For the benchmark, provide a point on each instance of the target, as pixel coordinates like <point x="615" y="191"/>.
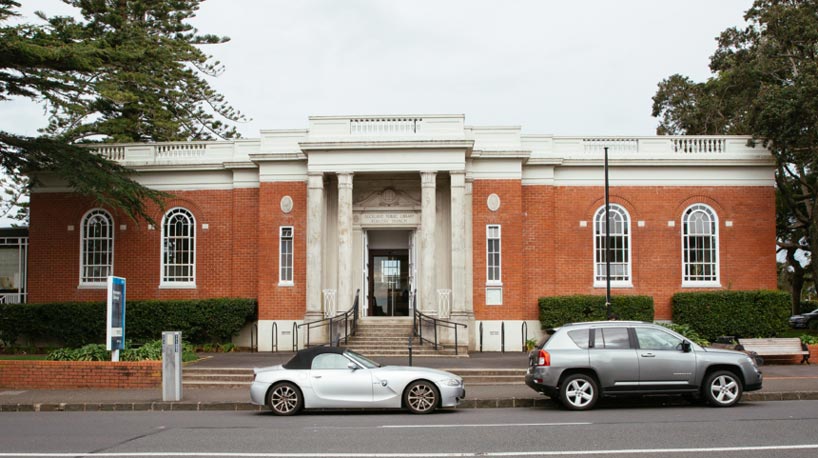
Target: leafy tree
<point x="128" y="70"/>
<point x="764" y="84"/>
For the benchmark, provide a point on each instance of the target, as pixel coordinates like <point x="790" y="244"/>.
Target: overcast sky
<point x="584" y="67"/>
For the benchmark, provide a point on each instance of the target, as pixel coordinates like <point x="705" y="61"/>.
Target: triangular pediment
<point x="387" y="198"/>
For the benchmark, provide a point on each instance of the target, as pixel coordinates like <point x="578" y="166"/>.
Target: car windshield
<point x="362" y="360"/>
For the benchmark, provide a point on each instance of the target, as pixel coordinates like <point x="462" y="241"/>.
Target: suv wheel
<point x="579" y="392"/>
<point x="722" y="389"/>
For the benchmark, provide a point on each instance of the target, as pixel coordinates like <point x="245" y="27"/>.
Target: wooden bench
<point x="775" y="347"/>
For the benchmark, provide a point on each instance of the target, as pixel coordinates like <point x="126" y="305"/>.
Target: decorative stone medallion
<point x="389" y="196"/>
<point x="493" y="202"/>
<point x="286" y="204"/>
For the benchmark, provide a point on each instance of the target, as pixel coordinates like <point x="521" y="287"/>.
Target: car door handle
<point x="648" y="355"/>
<point x="316" y="376"/>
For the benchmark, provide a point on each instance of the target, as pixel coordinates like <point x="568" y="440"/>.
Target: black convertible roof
<point x="303" y="358"/>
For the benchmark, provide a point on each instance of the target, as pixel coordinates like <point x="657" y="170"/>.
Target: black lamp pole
<point x="607" y="242"/>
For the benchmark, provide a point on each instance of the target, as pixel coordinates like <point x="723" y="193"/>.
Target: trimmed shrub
<point x="151" y="351"/>
<point x="79" y="323"/>
<point x="558" y="310"/>
<point x="733" y="313"/>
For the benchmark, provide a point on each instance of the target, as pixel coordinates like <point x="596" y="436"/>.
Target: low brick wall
<point x="79" y="374"/>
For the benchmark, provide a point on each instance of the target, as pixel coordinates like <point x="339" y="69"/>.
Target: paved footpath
<point x="781" y="382"/>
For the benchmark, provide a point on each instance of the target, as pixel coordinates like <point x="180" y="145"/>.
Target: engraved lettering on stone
<point x="390" y="218"/>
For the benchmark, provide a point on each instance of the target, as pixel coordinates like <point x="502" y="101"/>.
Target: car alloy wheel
<point x="285" y="399"/>
<point x="420" y="397"/>
<point x="723" y="389"/>
<point x="579" y="392"/>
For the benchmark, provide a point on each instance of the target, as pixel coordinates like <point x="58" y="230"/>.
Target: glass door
<point x="388" y="283"/>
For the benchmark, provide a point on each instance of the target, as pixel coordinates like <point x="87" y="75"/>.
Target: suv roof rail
<point x="611" y="322"/>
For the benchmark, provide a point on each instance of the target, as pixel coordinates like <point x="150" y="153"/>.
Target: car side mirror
<point x="686" y="347"/>
<point x="352" y="366"/>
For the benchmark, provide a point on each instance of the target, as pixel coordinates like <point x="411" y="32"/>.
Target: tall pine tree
<point x="127" y="70"/>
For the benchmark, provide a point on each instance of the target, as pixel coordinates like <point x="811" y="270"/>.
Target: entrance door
<point x="388" y="283"/>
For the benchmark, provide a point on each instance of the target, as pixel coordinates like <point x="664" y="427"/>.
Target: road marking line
<point x="431" y="454"/>
<point x="489" y="425"/>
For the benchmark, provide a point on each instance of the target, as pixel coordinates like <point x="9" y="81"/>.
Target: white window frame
<point x="165" y="282"/>
<point x="100" y="282"/>
<point x="714" y="223"/>
<point x="282" y="281"/>
<point x="499" y="280"/>
<point x="599" y="262"/>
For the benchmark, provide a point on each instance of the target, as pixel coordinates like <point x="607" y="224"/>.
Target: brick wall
<point x="553" y="215"/>
<point x="545" y="251"/>
<point x="79" y="374"/>
<point x="225" y="251"/>
<point x="236" y="256"/>
<point x="510" y="218"/>
<point x="276" y="301"/>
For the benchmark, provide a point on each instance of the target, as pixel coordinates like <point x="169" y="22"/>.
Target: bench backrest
<point x="783" y="344"/>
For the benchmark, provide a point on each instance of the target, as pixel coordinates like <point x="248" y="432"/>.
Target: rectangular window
<point x="493" y="265"/>
<point x="285" y="255"/>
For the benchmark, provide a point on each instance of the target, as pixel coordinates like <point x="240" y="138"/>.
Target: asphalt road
<point x="621" y="428"/>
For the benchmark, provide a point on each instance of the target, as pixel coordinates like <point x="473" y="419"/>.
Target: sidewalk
<point x="781" y="382"/>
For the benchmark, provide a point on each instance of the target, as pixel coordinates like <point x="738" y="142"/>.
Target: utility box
<point x="171" y="366"/>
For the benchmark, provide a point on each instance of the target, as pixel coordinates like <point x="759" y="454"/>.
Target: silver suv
<point x="580" y="362"/>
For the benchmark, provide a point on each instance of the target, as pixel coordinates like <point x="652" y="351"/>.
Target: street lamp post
<point x="607" y="242"/>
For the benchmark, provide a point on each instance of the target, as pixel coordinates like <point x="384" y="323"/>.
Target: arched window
<point x="96" y="247"/>
<point x="700" y="246"/>
<point x="620" y="250"/>
<point x="178" y="248"/>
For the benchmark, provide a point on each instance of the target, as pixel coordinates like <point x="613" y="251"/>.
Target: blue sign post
<point x="115" y="340"/>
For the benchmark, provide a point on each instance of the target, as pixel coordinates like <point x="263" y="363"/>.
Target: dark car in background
<point x="581" y="362"/>
<point x="804" y="320"/>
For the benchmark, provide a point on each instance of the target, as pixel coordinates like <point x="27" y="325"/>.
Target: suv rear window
<point x="611" y="338"/>
<point x="580" y="337"/>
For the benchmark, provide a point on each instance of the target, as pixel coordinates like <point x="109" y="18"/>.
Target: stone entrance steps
<point x="243" y="377"/>
<point x="390" y="337"/>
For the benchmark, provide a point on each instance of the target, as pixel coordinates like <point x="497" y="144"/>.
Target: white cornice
<point x="386" y="144"/>
<point x="277" y="157"/>
<point x="501" y="154"/>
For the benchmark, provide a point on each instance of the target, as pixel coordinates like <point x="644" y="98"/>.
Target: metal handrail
<point x="348" y="318"/>
<point x="417" y="326"/>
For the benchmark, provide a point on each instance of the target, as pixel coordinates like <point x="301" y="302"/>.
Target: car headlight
<point x="752" y="361"/>
<point x="452" y="382"/>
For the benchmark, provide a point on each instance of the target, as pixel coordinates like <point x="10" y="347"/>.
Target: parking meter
<point x="171" y="366"/>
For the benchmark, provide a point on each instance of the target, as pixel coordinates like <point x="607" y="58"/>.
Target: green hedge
<point x="79" y="323"/>
<point x="558" y="310"/>
<point x="733" y="313"/>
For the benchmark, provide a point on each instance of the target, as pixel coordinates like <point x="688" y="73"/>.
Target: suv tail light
<point x="543" y="358"/>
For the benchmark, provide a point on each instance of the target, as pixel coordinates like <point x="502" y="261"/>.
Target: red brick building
<point x="477" y="222"/>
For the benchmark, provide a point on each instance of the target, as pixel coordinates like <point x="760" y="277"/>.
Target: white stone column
<point x="344" y="301"/>
<point x="469" y="249"/>
<point x="428" y="298"/>
<point x="315" y="213"/>
<point x="458" y="215"/>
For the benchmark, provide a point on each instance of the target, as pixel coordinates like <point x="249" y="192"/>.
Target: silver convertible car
<point x="332" y="377"/>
